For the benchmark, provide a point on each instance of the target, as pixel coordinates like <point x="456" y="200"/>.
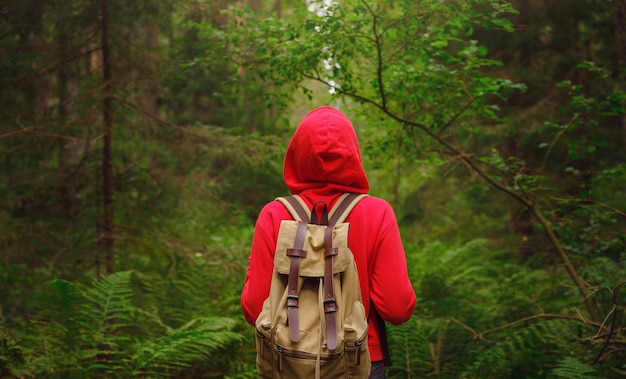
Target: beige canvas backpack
<point x="313" y="324"/>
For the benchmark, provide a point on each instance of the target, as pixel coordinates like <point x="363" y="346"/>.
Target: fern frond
<point x="210" y="324"/>
<point x="111" y="301"/>
<point x="110" y="310"/>
<point x="180" y="349"/>
<point x="55" y="346"/>
<point x="177" y="295"/>
<point x="62" y="311"/>
<point x="529" y="337"/>
<point x="572" y="368"/>
<point x="410" y="349"/>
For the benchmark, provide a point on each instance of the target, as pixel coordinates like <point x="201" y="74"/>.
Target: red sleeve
<point x="256" y="286"/>
<point x="390" y="288"/>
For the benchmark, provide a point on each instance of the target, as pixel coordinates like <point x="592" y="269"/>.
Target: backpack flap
<point x="313" y="264"/>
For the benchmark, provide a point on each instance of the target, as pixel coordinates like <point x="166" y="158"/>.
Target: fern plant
<point x="181" y="348"/>
<point x="203" y="283"/>
<point x="98" y="332"/>
<point x="572" y="368"/>
<point x="411" y="354"/>
<point x="468" y="289"/>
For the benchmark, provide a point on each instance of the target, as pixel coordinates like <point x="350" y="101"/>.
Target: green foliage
<point x="411" y="352"/>
<point x="529" y="100"/>
<point x="411" y="58"/>
<point x="571" y="368"/>
<point x="481" y="313"/>
<point x="98" y="330"/>
<point x="425" y="84"/>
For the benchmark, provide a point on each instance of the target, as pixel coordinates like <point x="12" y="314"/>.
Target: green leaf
<point x="439" y="44"/>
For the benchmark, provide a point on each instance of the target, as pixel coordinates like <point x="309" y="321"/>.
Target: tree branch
<point x="33" y="130"/>
<point x="47" y="70"/>
<point x="379" y="55"/>
<point x="613" y="322"/>
<point x="481" y="335"/>
<point x="589" y="201"/>
<point x="556" y="138"/>
<point x="456" y="116"/>
<point x="472" y="162"/>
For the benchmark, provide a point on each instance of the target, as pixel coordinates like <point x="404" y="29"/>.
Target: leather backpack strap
<point x="298" y="211"/>
<point x="382" y="334"/>
<point x="296" y="254"/>
<point x="330" y="304"/>
<point x="319" y="219"/>
<point x="344" y="206"/>
<point x="341" y="210"/>
<point x="296" y="207"/>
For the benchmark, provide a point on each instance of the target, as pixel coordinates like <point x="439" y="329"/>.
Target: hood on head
<point x="324" y="155"/>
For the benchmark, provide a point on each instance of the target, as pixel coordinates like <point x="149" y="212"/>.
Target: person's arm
<point x="391" y="290"/>
<point x="261" y="265"/>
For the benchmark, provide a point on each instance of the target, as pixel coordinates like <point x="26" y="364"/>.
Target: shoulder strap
<point x="382" y="334"/>
<point x="296" y="207"/>
<point x="344" y="206"/>
<point x="299" y="210"/>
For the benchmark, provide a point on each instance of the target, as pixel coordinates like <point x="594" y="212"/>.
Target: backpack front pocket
<point x="357" y="358"/>
<point x="265" y="364"/>
<point x="297" y="364"/>
<point x="357" y="355"/>
<point x="264" y="345"/>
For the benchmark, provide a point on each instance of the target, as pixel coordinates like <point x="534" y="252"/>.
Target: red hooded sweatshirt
<point x="322" y="162"/>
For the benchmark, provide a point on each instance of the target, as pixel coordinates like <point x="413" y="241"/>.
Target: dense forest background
<point x="139" y="140"/>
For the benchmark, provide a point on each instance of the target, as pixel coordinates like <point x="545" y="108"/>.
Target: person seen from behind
<point x="322" y="162"/>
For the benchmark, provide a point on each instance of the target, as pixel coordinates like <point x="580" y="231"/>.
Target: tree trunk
<point x="149" y="87"/>
<point x="69" y="148"/>
<point x="255" y="5"/>
<point x="107" y="128"/>
<point x="620" y="42"/>
<point x="279" y="9"/>
<point x="525" y="13"/>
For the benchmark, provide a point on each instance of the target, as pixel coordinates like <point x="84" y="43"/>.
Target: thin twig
<point x="456" y="116"/>
<point x="556" y="138"/>
<point x="32" y="130"/>
<point x="470" y="329"/>
<point x="589" y="201"/>
<point x="613" y="322"/>
<point x="481" y="335"/>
